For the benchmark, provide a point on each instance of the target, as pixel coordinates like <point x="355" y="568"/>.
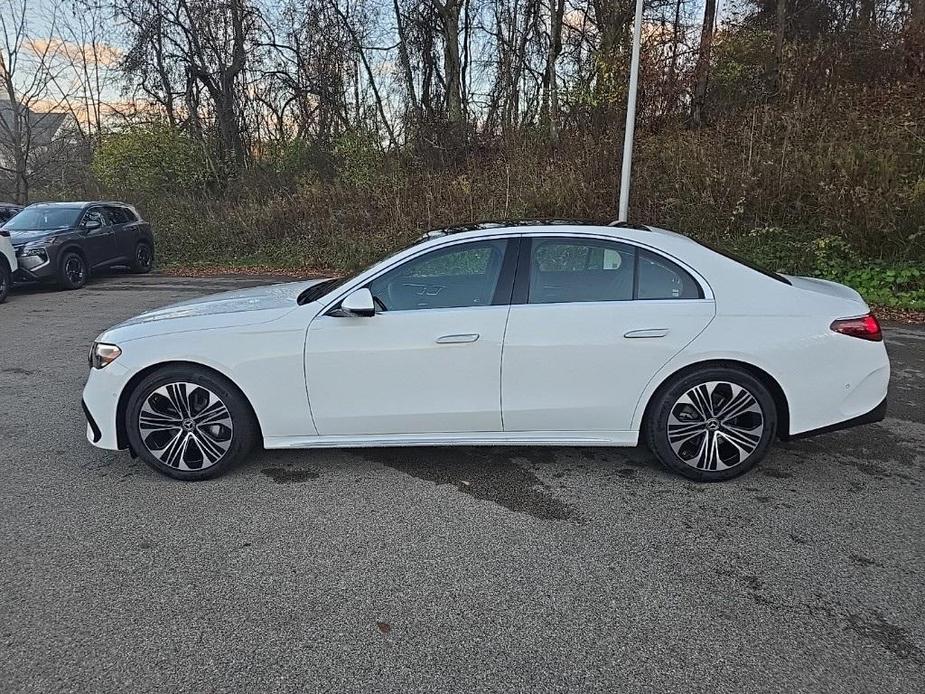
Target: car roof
<point x="81" y="203"/>
<point x="500" y="224"/>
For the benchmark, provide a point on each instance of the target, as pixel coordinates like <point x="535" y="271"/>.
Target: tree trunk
<point x="549" y="111"/>
<point x="406" y="63"/>
<point x="673" y="65"/>
<point x="702" y="69"/>
<point x="779" y="34"/>
<point x="452" y="61"/>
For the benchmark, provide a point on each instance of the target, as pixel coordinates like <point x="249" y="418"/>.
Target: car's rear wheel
<point x="189" y="423"/>
<point x="712" y="424"/>
<point x="144" y="258"/>
<point x="72" y="271"/>
<point x="6" y="281"/>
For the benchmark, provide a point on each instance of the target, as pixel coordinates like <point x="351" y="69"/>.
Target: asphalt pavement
<point x="441" y="569"/>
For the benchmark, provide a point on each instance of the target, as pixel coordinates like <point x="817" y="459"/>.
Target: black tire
<point x="6" y="281"/>
<point x="144" y="258"/>
<point x="193" y="462"/>
<point x="72" y="271"/>
<point x="690" y="452"/>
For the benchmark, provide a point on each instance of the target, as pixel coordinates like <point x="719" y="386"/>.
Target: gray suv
<point x="64" y="242"/>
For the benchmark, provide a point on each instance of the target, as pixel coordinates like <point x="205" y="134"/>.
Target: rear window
<point x="747" y="263"/>
<point x="659" y="278"/>
<point x="116" y="215"/>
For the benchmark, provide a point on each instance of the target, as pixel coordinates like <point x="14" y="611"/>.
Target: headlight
<point x="102" y="355"/>
<point x="32" y="258"/>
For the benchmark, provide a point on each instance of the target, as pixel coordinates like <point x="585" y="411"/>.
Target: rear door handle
<point x="457" y="339"/>
<point x="648" y="332"/>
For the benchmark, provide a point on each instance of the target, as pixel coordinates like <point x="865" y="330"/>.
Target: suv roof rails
<point x="629" y="225"/>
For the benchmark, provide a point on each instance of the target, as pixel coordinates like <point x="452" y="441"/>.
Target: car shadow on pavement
<point x="517" y="478"/>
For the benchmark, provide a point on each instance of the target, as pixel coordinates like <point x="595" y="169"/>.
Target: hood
<point x="20" y="237"/>
<point x="237" y="309"/>
<point x="275" y="297"/>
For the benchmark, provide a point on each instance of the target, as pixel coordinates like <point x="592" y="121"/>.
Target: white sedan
<point x="511" y="334"/>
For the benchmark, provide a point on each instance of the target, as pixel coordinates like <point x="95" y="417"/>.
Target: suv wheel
<point x="144" y="259"/>
<point x="6" y="281"/>
<point x="73" y="272"/>
<point x="713" y="424"/>
<point x="189" y="423"/>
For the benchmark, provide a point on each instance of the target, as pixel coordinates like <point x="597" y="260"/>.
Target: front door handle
<point x="457" y="339"/>
<point x="648" y="332"/>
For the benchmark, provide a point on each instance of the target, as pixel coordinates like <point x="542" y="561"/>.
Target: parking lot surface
<point x="432" y="570"/>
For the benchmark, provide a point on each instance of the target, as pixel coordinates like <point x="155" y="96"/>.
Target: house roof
<point x="43" y="126"/>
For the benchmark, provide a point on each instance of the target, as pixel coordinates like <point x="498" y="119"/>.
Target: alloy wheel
<point x="715" y="425"/>
<point x="74" y="270"/>
<point x="143" y="257"/>
<point x="185" y="426"/>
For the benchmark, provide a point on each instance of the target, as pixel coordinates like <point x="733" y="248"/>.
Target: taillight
<point x="866" y="327"/>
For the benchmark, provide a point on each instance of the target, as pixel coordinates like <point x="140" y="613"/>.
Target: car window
<point x="454" y="277"/>
<point x="129" y="213"/>
<point x="570" y="270"/>
<point x="94" y="215"/>
<point x="116" y="215"/>
<point x="660" y="278"/>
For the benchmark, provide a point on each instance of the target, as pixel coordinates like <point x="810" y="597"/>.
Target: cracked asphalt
<point x="444" y="570"/>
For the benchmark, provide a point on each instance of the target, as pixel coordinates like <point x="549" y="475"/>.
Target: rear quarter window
<point x="659" y="278"/>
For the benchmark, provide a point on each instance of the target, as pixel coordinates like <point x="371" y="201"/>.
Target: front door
<point x="592" y="322"/>
<point x="99" y="240"/>
<point x="429" y="361"/>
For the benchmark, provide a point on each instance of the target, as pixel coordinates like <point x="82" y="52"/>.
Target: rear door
<point x="429" y="361"/>
<point x="591" y="321"/>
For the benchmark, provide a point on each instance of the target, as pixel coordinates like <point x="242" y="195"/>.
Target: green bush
<point x="151" y="158"/>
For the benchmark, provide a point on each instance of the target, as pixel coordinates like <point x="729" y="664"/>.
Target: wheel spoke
<point x="741" y="402"/>
<point x="213" y="413"/>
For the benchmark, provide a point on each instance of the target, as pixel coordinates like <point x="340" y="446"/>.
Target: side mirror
<point x="359" y="303"/>
<point x="92" y="224"/>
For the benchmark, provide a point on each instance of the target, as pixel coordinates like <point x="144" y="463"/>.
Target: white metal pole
<point x="630" y="118"/>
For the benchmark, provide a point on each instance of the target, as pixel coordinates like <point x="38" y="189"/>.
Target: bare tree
<point x="449" y="12"/>
<point x="702" y="70"/>
<point x="550" y="108"/>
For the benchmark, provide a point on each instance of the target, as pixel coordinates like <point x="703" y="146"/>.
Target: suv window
<point x="458" y="276"/>
<point x="94" y="214"/>
<point x="129" y="213"/>
<point x="568" y="270"/>
<point x="659" y="278"/>
<point x="116" y="215"/>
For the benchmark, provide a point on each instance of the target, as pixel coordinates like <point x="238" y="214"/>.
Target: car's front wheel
<point x="713" y="424"/>
<point x="72" y="271"/>
<point x="189" y="423"/>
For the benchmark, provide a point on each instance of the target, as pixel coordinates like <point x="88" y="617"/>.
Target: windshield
<point x="43" y="218"/>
